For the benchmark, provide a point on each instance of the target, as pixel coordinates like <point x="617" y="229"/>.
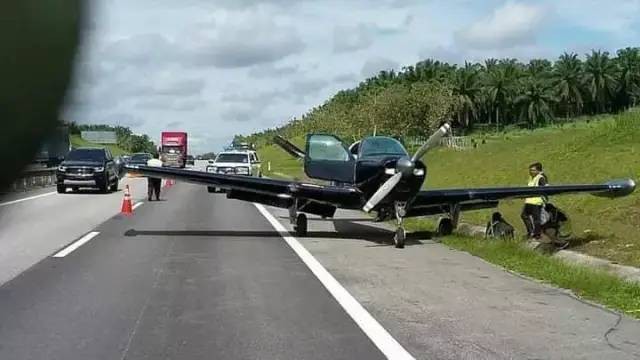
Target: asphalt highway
<point x="198" y="276"/>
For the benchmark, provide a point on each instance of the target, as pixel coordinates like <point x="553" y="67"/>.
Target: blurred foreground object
<point x="38" y="44"/>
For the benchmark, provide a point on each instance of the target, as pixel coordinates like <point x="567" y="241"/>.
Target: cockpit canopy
<point x="377" y="146"/>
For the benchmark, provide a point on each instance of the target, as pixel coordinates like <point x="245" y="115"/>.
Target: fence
<point x="454" y="142"/>
<point x="34" y="178"/>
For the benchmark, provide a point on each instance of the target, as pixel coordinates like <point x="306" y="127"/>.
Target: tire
<point x="61" y="189"/>
<point x="399" y="237"/>
<point x="211" y="189"/>
<point x="301" y="225"/>
<point x="445" y="227"/>
<point x="104" y="188"/>
<point x="114" y="186"/>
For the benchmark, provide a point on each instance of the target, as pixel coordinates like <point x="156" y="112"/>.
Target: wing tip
<point x="619" y="188"/>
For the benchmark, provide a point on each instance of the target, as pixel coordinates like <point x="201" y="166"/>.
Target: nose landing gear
<point x="401" y="234"/>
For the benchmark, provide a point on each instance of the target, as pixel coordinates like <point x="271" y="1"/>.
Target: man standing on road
<point x="532" y="211"/>
<point x="154" y="184"/>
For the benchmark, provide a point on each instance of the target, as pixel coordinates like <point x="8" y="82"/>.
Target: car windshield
<point x="232" y="158"/>
<point x="375" y="146"/>
<point x="140" y="157"/>
<point x="86" y="155"/>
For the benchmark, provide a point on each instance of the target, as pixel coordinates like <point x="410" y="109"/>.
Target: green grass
<point x="587" y="283"/>
<point x="77" y="141"/>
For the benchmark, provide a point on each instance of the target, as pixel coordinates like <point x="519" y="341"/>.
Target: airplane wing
<point x="274" y="192"/>
<point x="287" y="146"/>
<point x="438" y="201"/>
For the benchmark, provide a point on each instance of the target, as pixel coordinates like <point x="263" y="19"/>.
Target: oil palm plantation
<point x="628" y="90"/>
<point x="466" y="88"/>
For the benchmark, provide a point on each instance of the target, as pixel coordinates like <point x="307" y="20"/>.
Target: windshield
<point x="375" y="146"/>
<point x="232" y="158"/>
<point x="172" y="149"/>
<point x="140" y="157"/>
<point x="86" y="155"/>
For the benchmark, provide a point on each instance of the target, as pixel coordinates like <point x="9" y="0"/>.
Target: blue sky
<point x="215" y="68"/>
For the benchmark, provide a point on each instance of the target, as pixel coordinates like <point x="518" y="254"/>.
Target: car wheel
<point x="104" y="188"/>
<point x="211" y="189"/>
<point x="61" y="189"/>
<point x="114" y="186"/>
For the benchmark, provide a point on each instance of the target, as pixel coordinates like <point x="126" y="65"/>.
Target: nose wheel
<point x="401" y="234"/>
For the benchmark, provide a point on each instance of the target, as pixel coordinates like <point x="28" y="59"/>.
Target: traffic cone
<point x="127" y="207"/>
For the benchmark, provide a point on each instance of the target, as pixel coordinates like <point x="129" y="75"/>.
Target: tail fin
<point x="289" y="147"/>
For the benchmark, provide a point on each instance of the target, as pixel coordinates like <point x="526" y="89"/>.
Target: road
<point x="198" y="276"/>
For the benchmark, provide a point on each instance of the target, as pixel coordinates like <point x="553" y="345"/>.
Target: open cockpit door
<point x="327" y="158"/>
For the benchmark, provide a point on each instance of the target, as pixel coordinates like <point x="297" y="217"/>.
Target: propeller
<point x="405" y="167"/>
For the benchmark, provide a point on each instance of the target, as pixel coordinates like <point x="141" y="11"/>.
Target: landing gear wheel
<point x="399" y="238"/>
<point x="61" y="189"/>
<point x="301" y="225"/>
<point x="445" y="227"/>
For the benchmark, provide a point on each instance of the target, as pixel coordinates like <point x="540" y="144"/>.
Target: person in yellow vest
<point x="532" y="210"/>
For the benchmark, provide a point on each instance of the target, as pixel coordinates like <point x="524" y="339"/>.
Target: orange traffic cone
<point x="127" y="207"/>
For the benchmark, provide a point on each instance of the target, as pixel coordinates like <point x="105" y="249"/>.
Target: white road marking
<point x="378" y="335"/>
<point x="27" y="198"/>
<point x="137" y="205"/>
<point x="66" y="251"/>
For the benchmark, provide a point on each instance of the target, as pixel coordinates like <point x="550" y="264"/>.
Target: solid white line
<point x="378" y="335"/>
<point x="136" y="205"/>
<point x="27" y="198"/>
<point x="66" y="251"/>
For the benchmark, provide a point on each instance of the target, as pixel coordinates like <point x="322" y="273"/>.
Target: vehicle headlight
<point x="242" y="170"/>
<point x="212" y="169"/>
<point x="62" y="168"/>
<point x="98" y="169"/>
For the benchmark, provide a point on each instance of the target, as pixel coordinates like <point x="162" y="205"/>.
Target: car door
<point x="110" y="168"/>
<point x="255" y="164"/>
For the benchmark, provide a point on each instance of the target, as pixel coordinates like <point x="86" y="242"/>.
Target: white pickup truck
<point x="235" y="162"/>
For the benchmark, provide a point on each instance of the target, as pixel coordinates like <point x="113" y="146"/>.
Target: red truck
<point x="173" y="148"/>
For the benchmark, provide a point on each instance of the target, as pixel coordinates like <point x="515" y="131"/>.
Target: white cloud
<point x="510" y="25"/>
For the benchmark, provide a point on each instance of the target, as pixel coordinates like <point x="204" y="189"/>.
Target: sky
<point x="216" y="68"/>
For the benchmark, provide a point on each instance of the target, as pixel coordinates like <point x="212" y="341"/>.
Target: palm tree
<point x="535" y="102"/>
<point x="628" y="61"/>
<point x="539" y="68"/>
<point x="600" y="79"/>
<point x="566" y="81"/>
<point x="466" y="89"/>
<point x="498" y="87"/>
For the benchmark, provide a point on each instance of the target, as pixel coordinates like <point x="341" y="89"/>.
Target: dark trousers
<point x="531" y="217"/>
<point x="153" y="186"/>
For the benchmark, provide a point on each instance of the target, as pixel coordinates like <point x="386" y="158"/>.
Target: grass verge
<point x="77" y="141"/>
<point x="587" y="283"/>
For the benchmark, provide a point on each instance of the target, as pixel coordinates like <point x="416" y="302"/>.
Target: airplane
<point x="376" y="174"/>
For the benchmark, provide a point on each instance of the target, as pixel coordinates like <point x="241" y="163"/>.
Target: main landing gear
<point x="298" y="220"/>
<point x="446" y="225"/>
<point x="401" y="234"/>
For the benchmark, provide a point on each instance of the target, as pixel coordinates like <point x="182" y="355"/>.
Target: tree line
<point x="492" y="94"/>
<point x="127" y="140"/>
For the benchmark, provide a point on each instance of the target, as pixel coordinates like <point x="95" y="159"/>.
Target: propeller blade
<point x="432" y="141"/>
<point x="382" y="192"/>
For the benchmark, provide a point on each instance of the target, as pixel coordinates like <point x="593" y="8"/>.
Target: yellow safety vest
<point x="535" y="181"/>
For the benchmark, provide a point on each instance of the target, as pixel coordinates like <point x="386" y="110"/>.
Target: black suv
<point x="88" y="167"/>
